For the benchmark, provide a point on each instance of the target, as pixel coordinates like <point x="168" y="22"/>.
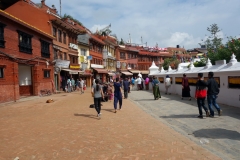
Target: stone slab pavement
<point x="222" y="133"/>
<point x="68" y="129"/>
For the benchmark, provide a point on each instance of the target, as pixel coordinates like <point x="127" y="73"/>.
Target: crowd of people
<point x="118" y="89"/>
<point x="204" y="89"/>
<point x="70" y="85"/>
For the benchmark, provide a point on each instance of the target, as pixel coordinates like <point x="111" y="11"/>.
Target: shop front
<point x="60" y="75"/>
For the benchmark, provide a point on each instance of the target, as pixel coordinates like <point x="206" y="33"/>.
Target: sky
<point x="166" y="23"/>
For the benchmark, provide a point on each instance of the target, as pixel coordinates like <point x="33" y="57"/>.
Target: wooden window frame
<point x="2" y="41"/>
<point x="25" y="42"/>
<point x="45" y="50"/>
<point x="45" y="71"/>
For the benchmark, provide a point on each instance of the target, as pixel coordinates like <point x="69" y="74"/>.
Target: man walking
<point x="73" y="85"/>
<point x="139" y="83"/>
<point x="81" y="85"/>
<point x="212" y="93"/>
<point x="167" y="84"/>
<point x="125" y="88"/>
<point x="200" y="95"/>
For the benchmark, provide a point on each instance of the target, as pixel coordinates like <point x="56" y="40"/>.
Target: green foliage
<point x="213" y="41"/>
<point x="173" y="62"/>
<point x="121" y="42"/>
<point x="70" y="17"/>
<point x="200" y="63"/>
<point x="225" y="52"/>
<point x="218" y="51"/>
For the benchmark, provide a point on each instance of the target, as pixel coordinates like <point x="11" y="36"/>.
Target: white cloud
<point x="165" y="22"/>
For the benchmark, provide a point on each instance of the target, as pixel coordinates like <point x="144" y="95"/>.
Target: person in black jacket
<point x="212" y="93"/>
<point x="200" y="95"/>
<point x="125" y="88"/>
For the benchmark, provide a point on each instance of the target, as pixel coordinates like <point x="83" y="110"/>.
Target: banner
<point x="81" y="59"/>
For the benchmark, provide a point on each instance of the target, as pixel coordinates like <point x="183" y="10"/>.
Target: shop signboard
<point x="81" y="59"/>
<point x="73" y="46"/>
<point x="118" y="64"/>
<point x="89" y="58"/>
<point x="62" y="63"/>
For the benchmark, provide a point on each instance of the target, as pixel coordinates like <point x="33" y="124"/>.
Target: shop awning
<point x="71" y="71"/>
<point x="144" y="72"/>
<point x="100" y="70"/>
<point x="134" y="71"/>
<point x="111" y="74"/>
<point x="127" y="73"/>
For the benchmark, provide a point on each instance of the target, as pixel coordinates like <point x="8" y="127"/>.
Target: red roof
<point x="96" y="39"/>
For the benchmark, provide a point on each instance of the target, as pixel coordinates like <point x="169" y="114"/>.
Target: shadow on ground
<point x="109" y="110"/>
<point x="86" y="115"/>
<point x="180" y="116"/>
<point x="227" y="110"/>
<point x="217" y="133"/>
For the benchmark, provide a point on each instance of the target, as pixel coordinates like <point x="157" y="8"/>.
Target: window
<point x="64" y="38"/>
<point x="45" y="49"/>
<point x="122" y="55"/>
<point x="54" y="31"/>
<point x="2" y="42"/>
<point x="83" y="52"/>
<point x="25" y="42"/>
<point x="59" y="35"/>
<point x="55" y="54"/>
<point x="234" y="82"/>
<point x="1" y="72"/>
<point x="46" y="73"/>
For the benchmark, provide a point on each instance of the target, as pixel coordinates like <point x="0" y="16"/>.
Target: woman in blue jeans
<point x="117" y="94"/>
<point x="98" y="95"/>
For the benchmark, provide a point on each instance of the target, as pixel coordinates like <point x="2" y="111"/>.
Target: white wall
<point x="226" y="96"/>
<point x="24" y="75"/>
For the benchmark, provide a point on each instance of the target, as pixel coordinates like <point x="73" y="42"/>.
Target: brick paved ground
<point x="69" y="129"/>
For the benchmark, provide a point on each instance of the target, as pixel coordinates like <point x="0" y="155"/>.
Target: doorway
<point x="25" y="80"/>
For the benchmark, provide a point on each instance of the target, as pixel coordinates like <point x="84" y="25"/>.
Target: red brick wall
<point x="26" y="90"/>
<point x="31" y="15"/>
<point x="11" y="70"/>
<point x="9" y="88"/>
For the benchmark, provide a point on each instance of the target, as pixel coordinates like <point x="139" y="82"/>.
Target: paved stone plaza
<point x="69" y="129"/>
<point x="222" y="133"/>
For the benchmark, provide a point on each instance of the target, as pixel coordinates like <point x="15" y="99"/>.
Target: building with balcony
<point x="64" y="31"/>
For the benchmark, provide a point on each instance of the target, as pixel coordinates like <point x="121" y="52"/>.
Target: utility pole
<point x="60" y="8"/>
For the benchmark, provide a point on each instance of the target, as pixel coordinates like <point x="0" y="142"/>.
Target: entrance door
<point x="25" y="80"/>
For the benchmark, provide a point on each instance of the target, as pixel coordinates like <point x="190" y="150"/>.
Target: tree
<point x="200" y="63"/>
<point x="213" y="43"/>
<point x="71" y="18"/>
<point x="233" y="46"/>
<point x="121" y="42"/>
<point x="173" y="62"/>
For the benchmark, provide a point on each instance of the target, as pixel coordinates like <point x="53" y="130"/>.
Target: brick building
<point x="25" y="59"/>
<point x="96" y="51"/>
<point x="137" y="59"/>
<point x="64" y="31"/>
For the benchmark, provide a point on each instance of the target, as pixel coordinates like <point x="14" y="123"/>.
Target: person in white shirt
<point x="81" y="85"/>
<point x="167" y="84"/>
<point x="139" y="82"/>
